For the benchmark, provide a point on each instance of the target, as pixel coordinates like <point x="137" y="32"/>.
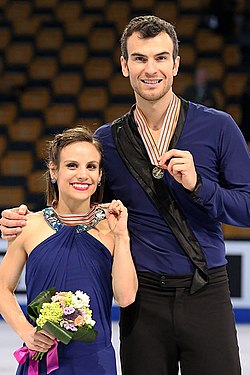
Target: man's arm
<point x="12" y="221"/>
<point x="228" y="199"/>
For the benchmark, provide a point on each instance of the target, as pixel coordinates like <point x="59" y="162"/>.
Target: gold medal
<point x="158" y="173"/>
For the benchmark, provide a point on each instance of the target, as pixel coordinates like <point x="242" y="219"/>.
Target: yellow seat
<point x="34" y="99"/>
<point x="43" y="68"/>
<point x="16" y="163"/>
<point x="19" y="53"/>
<point x="80" y="28"/>
<point x="187" y="54"/>
<point x="231" y="55"/>
<point x="120" y="86"/>
<point x="186" y="26"/>
<point x="5" y="36"/>
<point x="219" y="98"/>
<point x="214" y="67"/>
<point x="11" y="196"/>
<point x="102" y="39"/>
<point x="36" y="182"/>
<point x="142" y="4"/>
<point x="114" y="111"/>
<point x="45" y="4"/>
<point x="27" y="27"/>
<point x="49" y="39"/>
<point x="167" y="10"/>
<point x="3" y="144"/>
<point x="93" y="99"/>
<point x="16" y="10"/>
<point x="8" y="112"/>
<point x="66" y="84"/>
<point x="235" y="111"/>
<point x="231" y="232"/>
<point x="60" y="115"/>
<point x="181" y="82"/>
<point x="240" y="6"/>
<point x="68" y="11"/>
<point x="234" y="83"/>
<point x="98" y="5"/>
<point x="98" y="68"/>
<point x="195" y="5"/>
<point x="42" y="147"/>
<point x="25" y="129"/>
<point x="73" y="54"/>
<point x="91" y="122"/>
<point x="207" y="41"/>
<point x="12" y="81"/>
<point x="118" y="13"/>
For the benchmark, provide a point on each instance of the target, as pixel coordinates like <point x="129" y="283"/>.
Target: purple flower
<point x="69" y="326"/>
<point x="68" y="310"/>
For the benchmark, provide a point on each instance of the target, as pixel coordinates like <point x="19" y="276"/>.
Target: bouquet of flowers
<point x="65" y="315"/>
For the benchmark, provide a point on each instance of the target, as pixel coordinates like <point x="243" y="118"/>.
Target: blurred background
<point x="59" y="66"/>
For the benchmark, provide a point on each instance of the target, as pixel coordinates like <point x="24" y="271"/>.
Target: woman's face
<point x="78" y="175"/>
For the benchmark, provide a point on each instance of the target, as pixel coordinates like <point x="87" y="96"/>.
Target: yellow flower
<point x="49" y="311"/>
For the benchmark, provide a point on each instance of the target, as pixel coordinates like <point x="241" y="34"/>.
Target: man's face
<point x="150" y="66"/>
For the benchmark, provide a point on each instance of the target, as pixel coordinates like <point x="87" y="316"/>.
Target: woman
<point x="72" y="245"/>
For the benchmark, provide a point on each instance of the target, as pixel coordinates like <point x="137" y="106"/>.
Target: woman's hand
<point x="117" y="217"/>
<point x="39" y="341"/>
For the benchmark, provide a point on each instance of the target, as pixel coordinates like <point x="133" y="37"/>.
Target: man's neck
<point x="154" y="111"/>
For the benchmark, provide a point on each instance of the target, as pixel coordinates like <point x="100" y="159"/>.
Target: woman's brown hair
<point x="68" y="136"/>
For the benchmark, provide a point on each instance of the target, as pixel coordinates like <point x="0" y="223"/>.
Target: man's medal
<point x="158" y="172"/>
<point x="155" y="150"/>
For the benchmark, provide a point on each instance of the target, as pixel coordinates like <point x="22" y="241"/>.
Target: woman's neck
<point x="78" y="209"/>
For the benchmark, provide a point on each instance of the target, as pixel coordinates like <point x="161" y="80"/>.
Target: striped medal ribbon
<point x="155" y="150"/>
<point x="84" y="221"/>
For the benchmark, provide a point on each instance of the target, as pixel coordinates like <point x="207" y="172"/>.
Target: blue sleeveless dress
<point x="69" y="260"/>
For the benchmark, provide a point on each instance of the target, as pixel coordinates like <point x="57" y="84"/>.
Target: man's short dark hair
<point x="148" y="27"/>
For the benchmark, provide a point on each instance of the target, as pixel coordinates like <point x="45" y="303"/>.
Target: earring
<point x="99" y="184"/>
<point x="53" y="180"/>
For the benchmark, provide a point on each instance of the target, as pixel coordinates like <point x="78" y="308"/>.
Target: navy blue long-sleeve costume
<point x="222" y="159"/>
<point x="167" y="326"/>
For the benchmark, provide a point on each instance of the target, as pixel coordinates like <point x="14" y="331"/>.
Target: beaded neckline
<point x="88" y="221"/>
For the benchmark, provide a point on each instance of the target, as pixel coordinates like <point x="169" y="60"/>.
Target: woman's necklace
<point x="82" y="222"/>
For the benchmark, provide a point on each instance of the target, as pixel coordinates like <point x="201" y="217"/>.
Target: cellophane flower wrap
<point x="65" y="315"/>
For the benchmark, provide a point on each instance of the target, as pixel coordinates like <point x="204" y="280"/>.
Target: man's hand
<point x="12" y="221"/>
<point x="180" y="165"/>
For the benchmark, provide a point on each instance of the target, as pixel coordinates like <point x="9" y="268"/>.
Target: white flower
<point x="89" y="320"/>
<point x="83" y="297"/>
<point x="74" y="300"/>
<point x="78" y="304"/>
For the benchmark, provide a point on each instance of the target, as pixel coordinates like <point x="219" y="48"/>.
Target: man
<point x="201" y="89"/>
<point x="180" y="168"/>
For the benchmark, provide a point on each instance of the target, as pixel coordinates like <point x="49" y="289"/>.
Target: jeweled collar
<point x="56" y="223"/>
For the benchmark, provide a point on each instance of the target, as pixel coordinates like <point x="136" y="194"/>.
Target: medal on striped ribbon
<point x="155" y="150"/>
<point x="84" y="221"/>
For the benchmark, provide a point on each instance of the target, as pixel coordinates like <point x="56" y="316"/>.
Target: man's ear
<point x="124" y="66"/>
<point x="176" y="65"/>
<point x="100" y="176"/>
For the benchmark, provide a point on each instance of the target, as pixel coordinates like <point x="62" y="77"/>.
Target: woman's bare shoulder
<point x="103" y="233"/>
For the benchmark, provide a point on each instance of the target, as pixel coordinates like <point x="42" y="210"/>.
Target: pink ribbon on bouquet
<point x="51" y="359"/>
